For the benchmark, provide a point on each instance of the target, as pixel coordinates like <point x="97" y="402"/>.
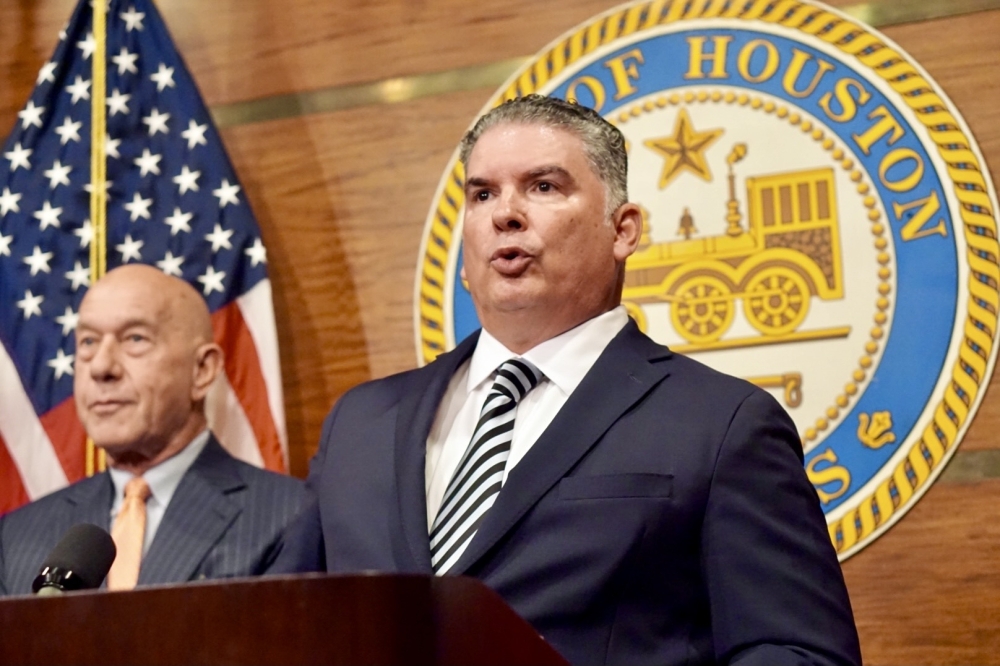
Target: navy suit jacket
<point x="664" y="517"/>
<point x="226" y="519"/>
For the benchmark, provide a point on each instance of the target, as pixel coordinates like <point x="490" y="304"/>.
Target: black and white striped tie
<point x="477" y="480"/>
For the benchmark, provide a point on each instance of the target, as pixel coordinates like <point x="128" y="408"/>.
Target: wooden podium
<point x="310" y="619"/>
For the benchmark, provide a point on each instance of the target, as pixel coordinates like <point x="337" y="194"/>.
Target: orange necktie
<point x="128" y="532"/>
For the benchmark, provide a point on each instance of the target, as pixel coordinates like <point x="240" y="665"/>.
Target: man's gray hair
<point x="602" y="141"/>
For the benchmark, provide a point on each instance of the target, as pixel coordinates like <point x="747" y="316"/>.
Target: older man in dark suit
<point x="635" y="506"/>
<point x="178" y="506"/>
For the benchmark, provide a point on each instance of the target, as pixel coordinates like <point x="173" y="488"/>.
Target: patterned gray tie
<point x="474" y="487"/>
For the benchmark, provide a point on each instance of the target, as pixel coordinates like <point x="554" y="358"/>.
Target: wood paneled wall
<point x="341" y="198"/>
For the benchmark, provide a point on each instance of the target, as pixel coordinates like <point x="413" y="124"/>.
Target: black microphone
<point x="79" y="562"/>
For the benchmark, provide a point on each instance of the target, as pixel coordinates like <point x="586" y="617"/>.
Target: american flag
<point x="173" y="201"/>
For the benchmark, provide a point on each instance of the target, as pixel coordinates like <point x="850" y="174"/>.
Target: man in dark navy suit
<point x="635" y="506"/>
<point x="145" y="360"/>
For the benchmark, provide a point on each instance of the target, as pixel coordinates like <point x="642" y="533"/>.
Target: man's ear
<point x="208" y="364"/>
<point x="627" y="221"/>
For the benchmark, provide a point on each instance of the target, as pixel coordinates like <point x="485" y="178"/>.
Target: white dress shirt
<point x="564" y="361"/>
<point x="163" y="481"/>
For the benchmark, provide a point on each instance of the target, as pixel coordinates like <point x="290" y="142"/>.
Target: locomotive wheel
<point x="702" y="309"/>
<point x="776" y="300"/>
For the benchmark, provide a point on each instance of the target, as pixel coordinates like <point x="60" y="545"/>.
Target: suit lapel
<point x="199" y="513"/>
<point x="416" y="416"/>
<point x="622" y="375"/>
<point x="90" y="501"/>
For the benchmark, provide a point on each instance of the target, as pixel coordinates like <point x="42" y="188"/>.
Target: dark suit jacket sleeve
<point x="302" y="549"/>
<point x="763" y="523"/>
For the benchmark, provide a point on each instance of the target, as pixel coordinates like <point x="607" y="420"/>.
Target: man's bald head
<point x="179" y="302"/>
<point x="144" y="363"/>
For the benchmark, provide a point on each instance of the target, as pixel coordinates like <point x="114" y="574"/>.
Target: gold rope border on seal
<point x="880" y="508"/>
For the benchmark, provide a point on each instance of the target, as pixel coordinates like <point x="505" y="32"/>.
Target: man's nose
<point x="104" y="364"/>
<point x="509" y="212"/>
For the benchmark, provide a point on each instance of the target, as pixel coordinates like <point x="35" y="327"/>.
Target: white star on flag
<point x="79" y="90"/>
<point x="39" y="261"/>
<point x="133" y="19"/>
<point x="219" y="238"/>
<point x="187" y="179"/>
<point x="85" y="233"/>
<point x="256" y="252"/>
<point x="227" y="193"/>
<point x="87" y="46"/>
<point x="5" y="242"/>
<point x="47" y="73"/>
<point x="111" y="147"/>
<point x="211" y="280"/>
<point x="69" y="130"/>
<point x="8" y="202"/>
<point x="179" y="221"/>
<point x="117" y="103"/>
<point x="68" y="320"/>
<point x="19" y="157"/>
<point x="138" y="207"/>
<point x="171" y="265"/>
<point x="157" y="122"/>
<point x="126" y="61"/>
<point x="195" y="134"/>
<point x="58" y="174"/>
<point x="62" y="364"/>
<point x="31" y="304"/>
<point x="148" y="163"/>
<point x="79" y="276"/>
<point x="164" y="78"/>
<point x="31" y="115"/>
<point x="48" y="216"/>
<point x="130" y="249"/>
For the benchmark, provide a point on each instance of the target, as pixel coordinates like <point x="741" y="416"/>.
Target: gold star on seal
<point x="684" y="150"/>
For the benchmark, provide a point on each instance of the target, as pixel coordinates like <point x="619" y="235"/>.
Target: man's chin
<point x="115" y="444"/>
<point x="514" y="296"/>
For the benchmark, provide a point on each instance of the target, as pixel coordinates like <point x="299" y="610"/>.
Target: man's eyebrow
<point x="131" y="323"/>
<point x="533" y="174"/>
<point x="475" y="182"/>
<point x="550" y="170"/>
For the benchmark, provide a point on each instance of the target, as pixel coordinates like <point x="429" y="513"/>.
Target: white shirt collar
<point x="164" y="478"/>
<point x="564" y="359"/>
